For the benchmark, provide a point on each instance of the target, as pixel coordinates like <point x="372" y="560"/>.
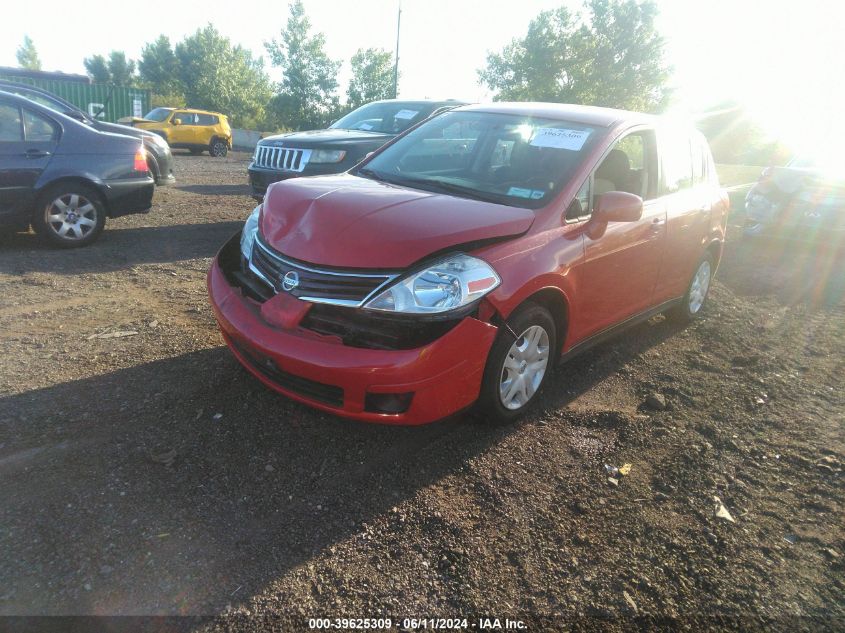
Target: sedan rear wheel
<point x="69" y="216"/>
<point x="695" y="299"/>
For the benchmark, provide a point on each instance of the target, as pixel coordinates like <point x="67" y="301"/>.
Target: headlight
<point x="446" y="285"/>
<point x="327" y="156"/>
<point x="249" y="232"/>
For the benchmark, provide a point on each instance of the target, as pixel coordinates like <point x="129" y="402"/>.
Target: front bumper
<point x="444" y="376"/>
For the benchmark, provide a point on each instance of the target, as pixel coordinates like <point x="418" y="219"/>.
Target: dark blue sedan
<point x="64" y="178"/>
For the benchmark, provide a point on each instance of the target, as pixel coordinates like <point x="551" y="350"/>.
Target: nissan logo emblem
<point x="290" y="280"/>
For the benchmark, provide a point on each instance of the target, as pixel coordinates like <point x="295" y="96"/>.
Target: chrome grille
<point x="282" y="158"/>
<point x="315" y="285"/>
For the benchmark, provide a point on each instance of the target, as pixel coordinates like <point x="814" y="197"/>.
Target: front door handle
<point x="36" y="153"/>
<point x="656" y="223"/>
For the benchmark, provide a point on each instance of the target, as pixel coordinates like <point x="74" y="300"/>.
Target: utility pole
<point x="396" y="56"/>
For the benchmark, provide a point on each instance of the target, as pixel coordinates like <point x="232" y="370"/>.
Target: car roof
<point x="196" y="111"/>
<point x="588" y="115"/>
<point x="39" y="91"/>
<point x="32" y="105"/>
<point x="434" y="102"/>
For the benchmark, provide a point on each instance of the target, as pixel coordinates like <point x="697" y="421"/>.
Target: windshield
<point x="386" y="118"/>
<point x="514" y="160"/>
<point x="159" y="114"/>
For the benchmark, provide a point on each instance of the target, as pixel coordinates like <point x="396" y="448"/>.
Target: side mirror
<point x="618" y="206"/>
<point x="177" y="121"/>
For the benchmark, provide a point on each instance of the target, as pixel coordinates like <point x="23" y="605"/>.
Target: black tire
<point x="66" y="228"/>
<point x="694" y="301"/>
<point x="218" y="148"/>
<point x="491" y="407"/>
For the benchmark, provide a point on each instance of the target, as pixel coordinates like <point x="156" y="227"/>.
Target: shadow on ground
<point x="117" y="248"/>
<point x="182" y="485"/>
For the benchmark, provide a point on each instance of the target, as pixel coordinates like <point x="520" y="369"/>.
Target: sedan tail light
<point x="141" y="160"/>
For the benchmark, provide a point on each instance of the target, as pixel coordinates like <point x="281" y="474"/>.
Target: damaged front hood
<point x="349" y="222"/>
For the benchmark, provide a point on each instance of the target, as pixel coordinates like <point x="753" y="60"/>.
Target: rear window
<point x="206" y="119"/>
<point x="676" y="161"/>
<point x="10" y="123"/>
<point x="38" y="128"/>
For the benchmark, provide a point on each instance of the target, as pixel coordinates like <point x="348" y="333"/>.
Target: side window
<point x="186" y="117"/>
<point x="580" y="207"/>
<point x="37" y="128"/>
<point x="676" y="160"/>
<point x="206" y="119"/>
<point x="631" y="166"/>
<point x="10" y="124"/>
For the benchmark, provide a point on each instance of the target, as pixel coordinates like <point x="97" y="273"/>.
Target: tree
<point x="122" y="70"/>
<point x="27" y="55"/>
<point x="158" y="67"/>
<point x="117" y="69"/>
<point x="372" y="77"/>
<point x="218" y="76"/>
<point x="306" y="96"/>
<point x="612" y="56"/>
<point x="97" y="68"/>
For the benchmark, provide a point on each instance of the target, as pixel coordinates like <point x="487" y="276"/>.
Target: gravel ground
<point x="143" y="472"/>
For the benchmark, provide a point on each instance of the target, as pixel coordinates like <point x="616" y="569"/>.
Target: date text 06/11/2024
<point x="479" y="624"/>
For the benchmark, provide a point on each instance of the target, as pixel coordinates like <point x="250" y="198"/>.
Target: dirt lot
<point x="148" y="474"/>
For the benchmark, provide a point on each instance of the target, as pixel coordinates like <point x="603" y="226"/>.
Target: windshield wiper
<point x="369" y="173"/>
<point x="450" y="187"/>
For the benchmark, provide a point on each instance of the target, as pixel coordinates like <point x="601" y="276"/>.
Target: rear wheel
<point x="696" y="296"/>
<point x="218" y="148"/>
<point x="517" y="368"/>
<point x="69" y="215"/>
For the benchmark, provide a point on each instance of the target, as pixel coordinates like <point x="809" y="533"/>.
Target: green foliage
<point x="372" y="77"/>
<point x="306" y="96"/>
<point x="610" y="56"/>
<point x="215" y="75"/>
<point x="98" y="69"/>
<point x="736" y="138"/>
<point x="117" y="69"/>
<point x="158" y="68"/>
<point x="27" y="55"/>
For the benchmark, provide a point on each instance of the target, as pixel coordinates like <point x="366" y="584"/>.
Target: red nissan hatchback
<point x="456" y="264"/>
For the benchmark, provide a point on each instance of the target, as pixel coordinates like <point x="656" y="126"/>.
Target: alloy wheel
<point x="71" y="216"/>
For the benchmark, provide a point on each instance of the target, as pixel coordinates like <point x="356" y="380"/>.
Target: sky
<point x="784" y="60"/>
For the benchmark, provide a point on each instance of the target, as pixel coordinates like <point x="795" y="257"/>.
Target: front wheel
<point x="69" y="215"/>
<point x="695" y="298"/>
<point x="218" y="148"/>
<point x="518" y="364"/>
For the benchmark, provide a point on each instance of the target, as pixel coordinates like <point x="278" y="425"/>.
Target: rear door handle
<point x="36" y="153"/>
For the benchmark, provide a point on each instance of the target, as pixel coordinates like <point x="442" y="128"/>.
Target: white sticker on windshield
<point x="559" y="138"/>
<point x="406" y="114"/>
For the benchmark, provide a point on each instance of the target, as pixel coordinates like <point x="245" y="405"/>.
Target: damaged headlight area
<point x="449" y="284"/>
<point x="249" y="232"/>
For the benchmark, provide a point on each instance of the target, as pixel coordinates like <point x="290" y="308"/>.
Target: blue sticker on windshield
<point x="537" y="194"/>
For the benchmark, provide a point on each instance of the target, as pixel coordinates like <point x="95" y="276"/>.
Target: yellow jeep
<point x="185" y="128"/>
